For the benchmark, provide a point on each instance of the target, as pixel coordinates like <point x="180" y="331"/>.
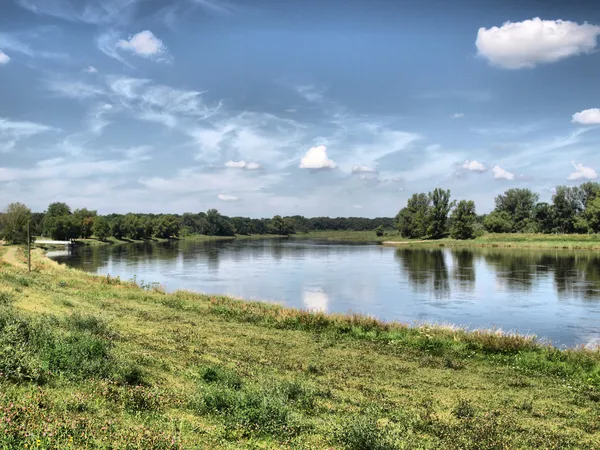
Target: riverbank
<point x="191" y="237"/>
<point x="347" y="236"/>
<point x="97" y="362"/>
<point x="516" y="240"/>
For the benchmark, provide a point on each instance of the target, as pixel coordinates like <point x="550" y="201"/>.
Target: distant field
<point x="566" y="241"/>
<point x="356" y="236"/>
<point x="101" y="363"/>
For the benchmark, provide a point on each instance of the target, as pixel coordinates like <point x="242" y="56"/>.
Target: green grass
<point x="192" y="237"/>
<point x="348" y="236"/>
<point x="94" y="362"/>
<point x="522" y="240"/>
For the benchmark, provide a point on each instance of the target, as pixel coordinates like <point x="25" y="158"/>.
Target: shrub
<point x="464" y="410"/>
<point x="363" y="432"/>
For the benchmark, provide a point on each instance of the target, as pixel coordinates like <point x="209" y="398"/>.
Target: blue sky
<point x="293" y="107"/>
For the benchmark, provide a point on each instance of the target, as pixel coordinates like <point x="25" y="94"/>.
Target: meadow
<point x="97" y="362"/>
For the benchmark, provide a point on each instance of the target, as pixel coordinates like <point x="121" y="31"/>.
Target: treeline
<point x="60" y="222"/>
<point x="433" y="215"/>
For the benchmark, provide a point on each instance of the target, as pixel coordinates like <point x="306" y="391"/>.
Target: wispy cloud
<point x="90" y="69"/>
<point x="472" y="95"/>
<point x="97" y="12"/>
<point x="13" y="131"/>
<point x="227" y="198"/>
<point x="17" y="42"/>
<point x="74" y="89"/>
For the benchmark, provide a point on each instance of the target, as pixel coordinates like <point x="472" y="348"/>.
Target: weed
<point x="464" y="410"/>
<point x="6" y="298"/>
<point x="365" y="432"/>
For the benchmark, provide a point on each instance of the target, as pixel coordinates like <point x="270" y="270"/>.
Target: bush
<point x="36" y="349"/>
<point x="263" y="408"/>
<point x="365" y="433"/>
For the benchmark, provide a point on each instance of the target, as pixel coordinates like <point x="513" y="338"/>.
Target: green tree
<point x="463" y="220"/>
<point x="568" y="203"/>
<point x="281" y="226"/>
<point x="101" y="228"/>
<point x="13" y="223"/>
<point x="62" y="228"/>
<point x="58" y="222"/>
<point x="218" y="225"/>
<point x="117" y="228"/>
<point x="438" y="213"/>
<point x="498" y="222"/>
<point x="589" y="191"/>
<point x="85" y="217"/>
<point x="167" y="226"/>
<point x="519" y="204"/>
<point x="412" y="221"/>
<point x="58" y="209"/>
<point x="592" y="214"/>
<point x="379" y="231"/>
<point x="543" y="214"/>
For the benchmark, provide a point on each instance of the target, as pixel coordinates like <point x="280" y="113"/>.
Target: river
<point x="554" y="294"/>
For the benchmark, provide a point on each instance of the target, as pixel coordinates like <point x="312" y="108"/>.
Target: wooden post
<point x="28" y="249"/>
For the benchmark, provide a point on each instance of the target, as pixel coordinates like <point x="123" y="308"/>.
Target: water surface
<point x="553" y="294"/>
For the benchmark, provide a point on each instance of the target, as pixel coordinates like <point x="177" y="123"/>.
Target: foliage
<point x="518" y="204"/>
<point x="438" y="213"/>
<point x="166" y="227"/>
<point x="463" y="220"/>
<point x="498" y="222"/>
<point x="413" y="219"/>
<point x="13" y="223"/>
<point x="101" y="228"/>
<point x="568" y="203"/>
<point x="62" y="227"/>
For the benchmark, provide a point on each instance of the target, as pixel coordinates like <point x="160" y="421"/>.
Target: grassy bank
<point x="192" y="237"/>
<point x="347" y="236"/>
<point x="521" y="240"/>
<point x="96" y="362"/>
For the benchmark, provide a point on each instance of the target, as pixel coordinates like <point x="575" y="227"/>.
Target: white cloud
<point x="519" y="45"/>
<point x="363" y="169"/>
<point x="582" y="172"/>
<point x="501" y="174"/>
<point x="13" y="131"/>
<point x="357" y="206"/>
<point x="235" y="164"/>
<point x="310" y="93"/>
<point x="316" y="158"/>
<point x="587" y="117"/>
<point x="144" y="44"/>
<point x="74" y="89"/>
<point x="242" y="165"/>
<point x="458" y="115"/>
<point x="90" y="69"/>
<point x="227" y="198"/>
<point x="4" y="58"/>
<point x="473" y="166"/>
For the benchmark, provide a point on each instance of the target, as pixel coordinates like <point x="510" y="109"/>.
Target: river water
<point x="554" y="294"/>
